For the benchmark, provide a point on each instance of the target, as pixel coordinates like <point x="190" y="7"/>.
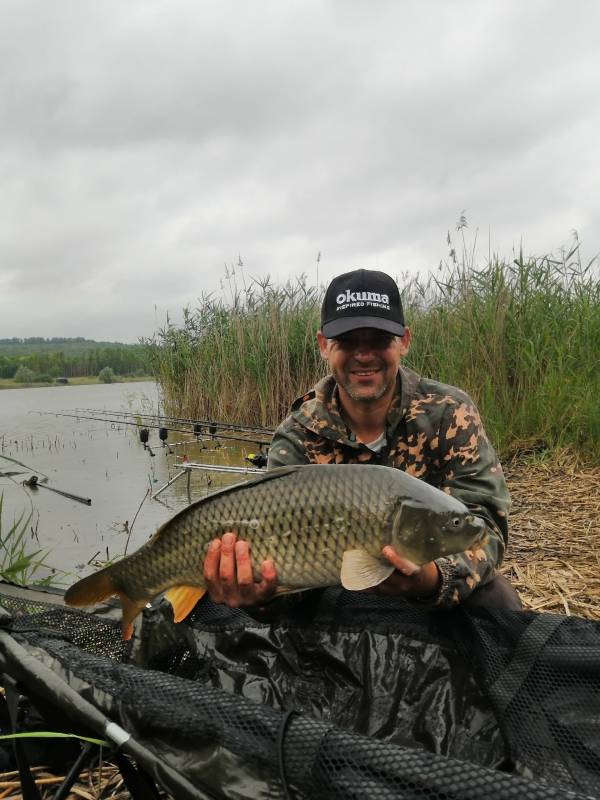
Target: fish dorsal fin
<point x="362" y="571"/>
<point x="183" y="599"/>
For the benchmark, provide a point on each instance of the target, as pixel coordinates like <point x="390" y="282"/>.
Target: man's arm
<point x="415" y="583"/>
<point x="472" y="474"/>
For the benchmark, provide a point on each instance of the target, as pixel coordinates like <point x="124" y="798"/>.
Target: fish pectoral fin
<point x="183" y="599"/>
<point x="362" y="571"/>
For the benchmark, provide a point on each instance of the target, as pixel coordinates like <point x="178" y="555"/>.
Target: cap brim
<point x="337" y="327"/>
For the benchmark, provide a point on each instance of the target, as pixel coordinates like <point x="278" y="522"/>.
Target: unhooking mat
<point x="342" y="695"/>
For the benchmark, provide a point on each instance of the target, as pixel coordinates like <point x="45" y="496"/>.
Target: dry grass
<point x="553" y="556"/>
<point x="102" y="783"/>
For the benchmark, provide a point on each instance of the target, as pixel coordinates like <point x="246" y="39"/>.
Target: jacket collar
<point x="319" y="410"/>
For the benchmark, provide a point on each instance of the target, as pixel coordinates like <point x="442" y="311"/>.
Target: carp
<point x="321" y="524"/>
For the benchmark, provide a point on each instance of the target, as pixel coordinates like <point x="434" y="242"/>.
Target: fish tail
<point x="92" y="589"/>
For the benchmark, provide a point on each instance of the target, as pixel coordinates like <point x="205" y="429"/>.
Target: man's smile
<point x="364" y="371"/>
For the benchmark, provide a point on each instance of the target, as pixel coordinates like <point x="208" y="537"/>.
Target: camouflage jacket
<point x="433" y="432"/>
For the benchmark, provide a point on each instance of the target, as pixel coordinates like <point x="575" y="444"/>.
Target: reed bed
<point x="241" y="361"/>
<point x="522" y="337"/>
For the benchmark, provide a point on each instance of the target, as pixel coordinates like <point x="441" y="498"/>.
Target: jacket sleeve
<point x="287" y="446"/>
<point x="471" y="473"/>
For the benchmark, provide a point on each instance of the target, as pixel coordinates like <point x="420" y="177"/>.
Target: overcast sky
<point x="144" y="145"/>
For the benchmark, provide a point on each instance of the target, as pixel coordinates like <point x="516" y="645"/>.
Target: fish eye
<point x="456" y="521"/>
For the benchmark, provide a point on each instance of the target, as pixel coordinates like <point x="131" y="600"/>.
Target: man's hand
<point x="229" y="576"/>
<point x="409" y="579"/>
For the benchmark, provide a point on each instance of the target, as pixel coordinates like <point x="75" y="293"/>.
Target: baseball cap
<point x="363" y="298"/>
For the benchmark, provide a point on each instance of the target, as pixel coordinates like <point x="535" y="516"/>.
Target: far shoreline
<point x="9" y="383"/>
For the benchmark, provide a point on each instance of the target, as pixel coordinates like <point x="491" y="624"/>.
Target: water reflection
<point x="103" y="461"/>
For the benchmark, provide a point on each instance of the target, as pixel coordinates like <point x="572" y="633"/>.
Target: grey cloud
<point x="143" y="144"/>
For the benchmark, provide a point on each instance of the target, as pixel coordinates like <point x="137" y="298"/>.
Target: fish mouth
<point x="481" y="536"/>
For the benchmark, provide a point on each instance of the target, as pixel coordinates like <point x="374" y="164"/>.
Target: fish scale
<point x="311" y="520"/>
<point x="305" y="512"/>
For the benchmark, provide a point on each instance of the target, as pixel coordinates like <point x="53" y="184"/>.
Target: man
<point x="373" y="410"/>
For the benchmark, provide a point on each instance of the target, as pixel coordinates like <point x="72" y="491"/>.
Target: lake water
<point x="103" y="461"/>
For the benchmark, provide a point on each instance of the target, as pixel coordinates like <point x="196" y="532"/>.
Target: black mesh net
<point x="342" y="696"/>
<point x="542" y="675"/>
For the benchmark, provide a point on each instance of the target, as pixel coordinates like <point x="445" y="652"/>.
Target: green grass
<point x="18" y="564"/>
<point x="522" y="337"/>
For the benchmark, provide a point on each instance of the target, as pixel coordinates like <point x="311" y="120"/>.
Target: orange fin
<point x="92" y="589"/>
<point x="131" y="609"/>
<point x="126" y="630"/>
<point x="96" y="588"/>
<point x="183" y="599"/>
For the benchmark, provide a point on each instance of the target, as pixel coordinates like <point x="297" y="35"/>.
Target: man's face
<point x="364" y="362"/>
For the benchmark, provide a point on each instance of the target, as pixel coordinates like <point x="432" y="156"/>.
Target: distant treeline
<point x="44" y="340"/>
<point x="521" y="336"/>
<point x="71" y="357"/>
<point x="40" y="344"/>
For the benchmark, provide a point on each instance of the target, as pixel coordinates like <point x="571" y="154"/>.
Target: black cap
<point x="363" y="298"/>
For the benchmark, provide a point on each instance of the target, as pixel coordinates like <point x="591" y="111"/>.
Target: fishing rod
<point x="261" y="442"/>
<point x="34" y="483"/>
<point x="209" y="423"/>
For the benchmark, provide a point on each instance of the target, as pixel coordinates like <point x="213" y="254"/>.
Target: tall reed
<point x="522" y="337"/>
<point x="243" y="361"/>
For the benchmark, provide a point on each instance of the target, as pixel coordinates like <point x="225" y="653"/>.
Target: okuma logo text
<point x="350" y="299"/>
